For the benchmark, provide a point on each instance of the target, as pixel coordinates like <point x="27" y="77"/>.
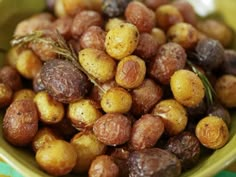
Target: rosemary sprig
<point x="209" y="90"/>
<point x="59" y="46"/>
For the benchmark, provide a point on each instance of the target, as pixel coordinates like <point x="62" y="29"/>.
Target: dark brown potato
<point x="20" y="123"/>
<point x="83" y="20"/>
<point x="186" y="147"/>
<point x="37" y="83"/>
<point x="63" y="81"/>
<point x="112" y="129"/>
<point x="103" y="166"/>
<point x="145" y="97"/>
<point x="93" y="37"/>
<point x="141" y="16"/>
<point x="198" y="111"/>
<point x="6" y="94"/>
<point x="153" y="162"/>
<point x="147" y="46"/>
<point x="114" y="8"/>
<point x="170" y="58"/>
<point x="146" y="131"/>
<point x="229" y="63"/>
<point x="154" y="4"/>
<point x="63" y="26"/>
<point x="10" y="77"/>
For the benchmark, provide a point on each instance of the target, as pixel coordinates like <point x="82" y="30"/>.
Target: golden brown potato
<point x="28" y="64"/>
<point x="113" y="23"/>
<point x="59" y="9"/>
<point x="103" y="166"/>
<point x="50" y="110"/>
<point x="146" y="131"/>
<point x="173" y="115"/>
<point x="130" y="72"/>
<point x="98" y="64"/>
<point x="122" y="41"/>
<point x="145" y="97"/>
<point x="159" y="35"/>
<point x="57" y="157"/>
<point x="88" y="148"/>
<point x="10" y="76"/>
<point x="116" y="99"/>
<point x="212" y="132"/>
<point x="225" y="90"/>
<point x="42" y="137"/>
<point x="167" y="15"/>
<point x="83" y="113"/>
<point x="23" y="94"/>
<point x="12" y="56"/>
<point x="20" y="122"/>
<point x="6" y="94"/>
<point x="184" y="34"/>
<point x="187" y="88"/>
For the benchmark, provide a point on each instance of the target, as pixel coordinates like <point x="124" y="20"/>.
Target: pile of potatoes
<point x="135" y="99"/>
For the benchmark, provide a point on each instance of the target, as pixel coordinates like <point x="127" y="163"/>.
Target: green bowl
<point x="24" y="162"/>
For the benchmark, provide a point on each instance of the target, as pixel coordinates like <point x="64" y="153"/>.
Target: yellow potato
<point x="113" y="23"/>
<point x="116" y="100"/>
<point x="173" y="114"/>
<point x="122" y="41"/>
<point x="24" y="94"/>
<point x="12" y="56"/>
<point x="5" y="95"/>
<point x="59" y="9"/>
<point x="130" y="72"/>
<point x="28" y="64"/>
<point x="187" y="88"/>
<point x="88" y="148"/>
<point x="159" y="35"/>
<point x="212" y="132"/>
<point x="50" y="110"/>
<point x="98" y="64"/>
<point x="83" y="113"/>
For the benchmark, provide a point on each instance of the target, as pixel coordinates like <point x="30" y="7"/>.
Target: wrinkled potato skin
<point x="116" y="100"/>
<point x="130" y="72"/>
<point x="50" y="110"/>
<point x="28" y="64"/>
<point x="103" y="166"/>
<point x="225" y="90"/>
<point x="112" y="129"/>
<point x="57" y="157"/>
<point x="122" y="41"/>
<point x="11" y="77"/>
<point x="20" y="123"/>
<point x="98" y="64"/>
<point x="212" y="132"/>
<point x="83" y="113"/>
<point x="23" y="94"/>
<point x="6" y="94"/>
<point x="145" y="97"/>
<point x="146" y="131"/>
<point x="42" y="137"/>
<point x="88" y="148"/>
<point x="187" y="88"/>
<point x="173" y="115"/>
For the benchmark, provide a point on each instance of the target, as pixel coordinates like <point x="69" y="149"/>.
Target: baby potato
<point x="83" y="113"/>
<point x="113" y="23"/>
<point x="37" y="83"/>
<point x="159" y="35"/>
<point x="10" y="76"/>
<point x="184" y="34"/>
<point x="225" y="90"/>
<point x="59" y="9"/>
<point x="23" y="94"/>
<point x="212" y="132"/>
<point x="50" y="110"/>
<point x="187" y="88"/>
<point x="130" y="72"/>
<point x="87" y="148"/>
<point x="42" y="137"/>
<point x="57" y="157"/>
<point x="116" y="99"/>
<point x="103" y="166"/>
<point x="173" y="115"/>
<point x="6" y="94"/>
<point x="28" y="64"/>
<point x="122" y="40"/>
<point x="12" y="56"/>
<point x="20" y="122"/>
<point x="97" y="63"/>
